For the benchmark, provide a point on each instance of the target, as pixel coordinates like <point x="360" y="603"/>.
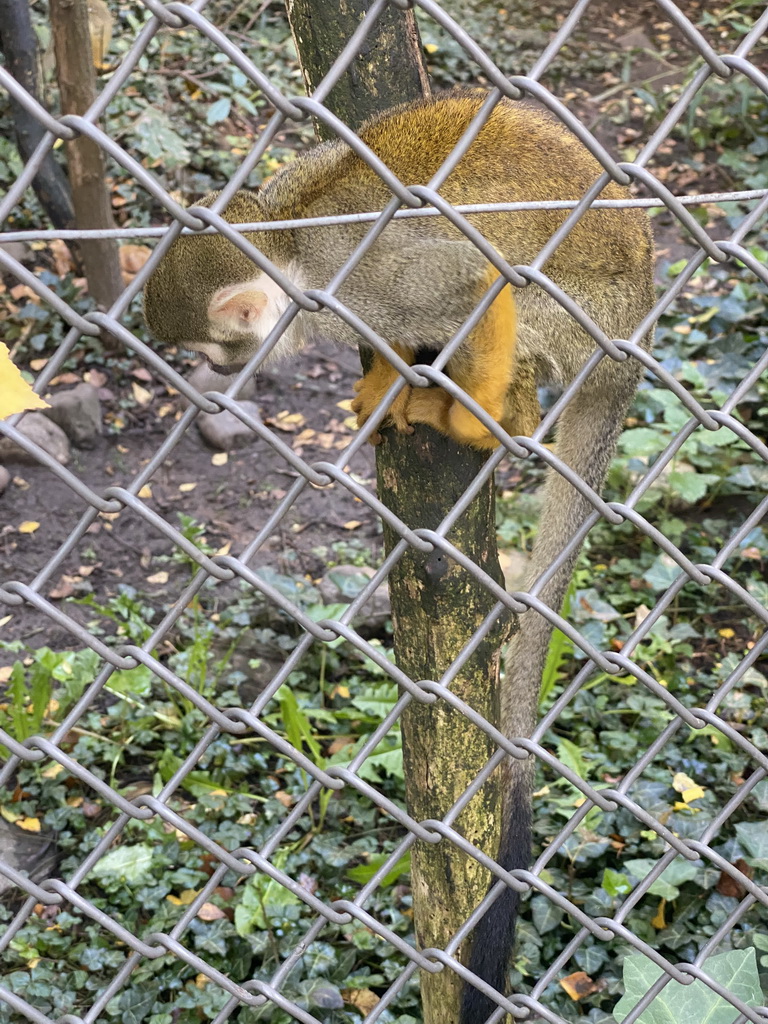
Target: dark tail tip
<point x="495" y="934"/>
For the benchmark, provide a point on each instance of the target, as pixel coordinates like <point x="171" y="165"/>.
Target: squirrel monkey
<point x="415" y="287"/>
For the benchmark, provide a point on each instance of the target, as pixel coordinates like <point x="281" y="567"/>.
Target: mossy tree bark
<point x="85" y="160"/>
<point x="19" y="46"/>
<point x="389" y="69"/>
<point x="436" y="605"/>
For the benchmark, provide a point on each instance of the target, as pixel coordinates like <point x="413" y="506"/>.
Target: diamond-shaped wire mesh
<point x="235" y="722"/>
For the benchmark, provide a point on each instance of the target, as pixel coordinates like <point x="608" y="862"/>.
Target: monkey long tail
<point x="587" y="435"/>
<point x="494" y="936"/>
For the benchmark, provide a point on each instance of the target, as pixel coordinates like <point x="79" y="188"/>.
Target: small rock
<point x="31" y="854"/>
<point x="44" y="432"/>
<point x="78" y="413"/>
<point x="203" y="379"/>
<point x="343" y="583"/>
<point x="5" y="478"/>
<point x="224" y="431"/>
<point x="17" y="250"/>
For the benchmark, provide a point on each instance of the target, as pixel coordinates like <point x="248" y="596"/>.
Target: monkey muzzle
<point x="224" y="371"/>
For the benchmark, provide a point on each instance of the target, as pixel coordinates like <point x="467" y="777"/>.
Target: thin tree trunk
<point x="85" y="160"/>
<point x="19" y="46"/>
<point x="436" y="605"/>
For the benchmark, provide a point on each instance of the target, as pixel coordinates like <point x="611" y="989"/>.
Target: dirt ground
<point x="232" y="501"/>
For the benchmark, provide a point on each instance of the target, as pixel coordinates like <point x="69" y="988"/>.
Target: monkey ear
<point x="238" y="306"/>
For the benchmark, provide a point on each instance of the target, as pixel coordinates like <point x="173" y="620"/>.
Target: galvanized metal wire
<point x="406" y="202"/>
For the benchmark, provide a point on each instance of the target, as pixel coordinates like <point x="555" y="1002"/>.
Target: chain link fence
<point x="18" y="594"/>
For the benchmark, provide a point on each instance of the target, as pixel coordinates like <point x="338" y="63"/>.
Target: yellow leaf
<point x="340" y="691"/>
<point x="29" y="824"/>
<point x="727" y="634"/>
<point x="164" y="409"/>
<point x="29" y="526"/>
<point x="658" y="921"/>
<point x="15" y="394"/>
<point x="431" y="47"/>
<point x="287" y="421"/>
<point x="142" y="396"/>
<point x="9" y="815"/>
<point x="185" y="488"/>
<point x="225" y="548"/>
<point x="220" y="459"/>
<point x="352" y="524"/>
<point x="346" y="405"/>
<point x="5" y="674"/>
<point x="694" y="793"/>
<point x="159" y="577"/>
<point x="145" y="492"/>
<point x="53" y="770"/>
<point x="184" y="899"/>
<point x="681" y="782"/>
<point x="350" y="422"/>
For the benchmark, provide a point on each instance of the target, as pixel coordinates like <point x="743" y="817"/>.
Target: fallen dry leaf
<point x="145" y="492"/>
<point x="62" y="258"/>
<point x="363" y="999"/>
<point x="289" y="422"/>
<point x="29" y="824"/>
<point x="727" y="885"/>
<point x="132" y="259"/>
<point x="184" y="898"/>
<point x="29" y="526"/>
<point x="210" y="912"/>
<point x="23" y="291"/>
<point x="15" y="394"/>
<point x="578" y="985"/>
<point x="64" y="588"/>
<point x="658" y="921"/>
<point x="142" y="396"/>
<point x="186" y="488"/>
<point x="352" y="524"/>
<point x="96" y="378"/>
<point x="159" y="577"/>
<point x="220" y="459"/>
<point x="65" y="378"/>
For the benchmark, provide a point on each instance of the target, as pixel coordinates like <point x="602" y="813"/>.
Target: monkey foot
<point x="369" y="395"/>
